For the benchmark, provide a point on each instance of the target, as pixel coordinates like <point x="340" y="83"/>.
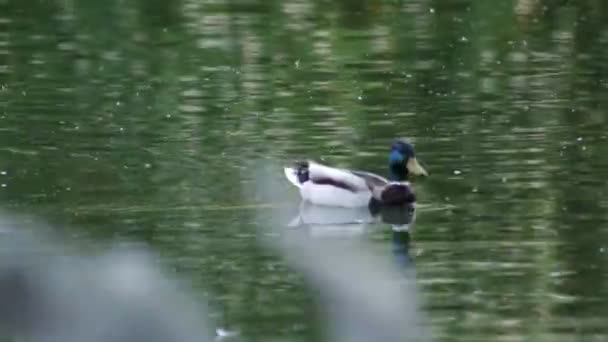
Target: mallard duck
<point x="330" y="186"/>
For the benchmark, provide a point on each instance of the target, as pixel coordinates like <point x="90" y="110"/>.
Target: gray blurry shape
<point x="48" y="295"/>
<point x="365" y="297"/>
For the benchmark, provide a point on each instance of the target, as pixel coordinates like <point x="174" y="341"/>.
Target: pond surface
<point x="168" y="122"/>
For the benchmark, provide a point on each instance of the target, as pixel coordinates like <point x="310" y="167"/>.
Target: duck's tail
<point x="292" y="176"/>
<point x="298" y="173"/>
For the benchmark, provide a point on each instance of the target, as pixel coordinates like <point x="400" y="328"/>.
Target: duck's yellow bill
<point x="415" y="168"/>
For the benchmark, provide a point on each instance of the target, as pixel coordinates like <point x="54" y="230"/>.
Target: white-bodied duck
<point x="330" y="186"/>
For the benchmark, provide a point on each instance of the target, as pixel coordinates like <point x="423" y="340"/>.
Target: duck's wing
<point x="371" y="179"/>
<point x="342" y="178"/>
<point x="376" y="184"/>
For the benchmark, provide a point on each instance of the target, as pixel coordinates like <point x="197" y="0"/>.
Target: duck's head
<point x="402" y="161"/>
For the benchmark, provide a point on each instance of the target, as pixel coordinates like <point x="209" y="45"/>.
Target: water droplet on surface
<point x="579" y="139"/>
<point x="360" y="98"/>
<point x="475" y="190"/>
<point x="3" y="173"/>
<point x="457" y="172"/>
<point x="432" y="10"/>
<point x="3" y="185"/>
<point x="147" y="165"/>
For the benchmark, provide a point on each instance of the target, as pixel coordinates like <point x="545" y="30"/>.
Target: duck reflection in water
<point x="401" y="219"/>
<point x="323" y="221"/>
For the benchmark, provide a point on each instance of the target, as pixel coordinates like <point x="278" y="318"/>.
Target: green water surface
<point x="160" y="121"/>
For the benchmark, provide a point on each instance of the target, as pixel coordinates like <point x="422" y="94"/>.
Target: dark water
<point x="160" y="121"/>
